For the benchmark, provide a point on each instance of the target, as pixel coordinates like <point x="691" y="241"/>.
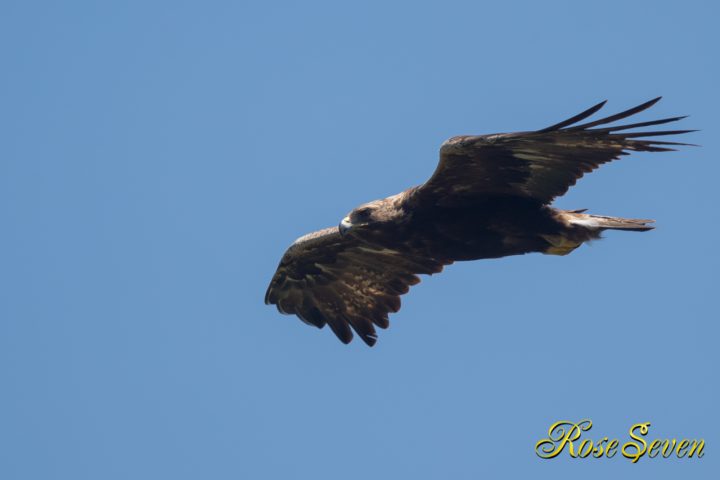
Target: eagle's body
<point x="491" y="227"/>
<point x="488" y="198"/>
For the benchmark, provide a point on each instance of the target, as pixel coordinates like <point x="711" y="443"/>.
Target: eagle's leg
<point x="560" y="245"/>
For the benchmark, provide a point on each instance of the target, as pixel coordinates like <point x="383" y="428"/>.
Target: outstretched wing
<point x="540" y="165"/>
<point x="326" y="278"/>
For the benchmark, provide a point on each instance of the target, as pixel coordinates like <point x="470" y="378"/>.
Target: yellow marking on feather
<point x="560" y="245"/>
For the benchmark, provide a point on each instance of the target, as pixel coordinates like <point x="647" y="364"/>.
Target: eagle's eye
<point x="363" y="213"/>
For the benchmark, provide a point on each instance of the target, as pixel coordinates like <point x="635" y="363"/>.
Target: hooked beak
<point x="344" y="226"/>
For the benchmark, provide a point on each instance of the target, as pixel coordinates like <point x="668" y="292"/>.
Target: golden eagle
<point x="489" y="197"/>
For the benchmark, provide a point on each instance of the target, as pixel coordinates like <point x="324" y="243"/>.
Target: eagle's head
<point x="372" y="215"/>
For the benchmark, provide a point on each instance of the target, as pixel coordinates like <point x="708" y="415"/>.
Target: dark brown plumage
<point x="489" y="197"/>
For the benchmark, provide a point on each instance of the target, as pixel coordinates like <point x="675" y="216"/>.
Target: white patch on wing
<point x="381" y="250"/>
<point x="530" y="157"/>
<point x="322" y="267"/>
<point x="461" y="188"/>
<point x="538" y="166"/>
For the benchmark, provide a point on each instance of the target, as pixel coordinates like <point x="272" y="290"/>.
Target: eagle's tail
<point x="585" y="227"/>
<point x="602" y="222"/>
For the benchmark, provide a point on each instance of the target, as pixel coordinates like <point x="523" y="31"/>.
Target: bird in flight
<point x="489" y="197"/>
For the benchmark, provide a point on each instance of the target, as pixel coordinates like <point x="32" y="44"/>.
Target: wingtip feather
<point x="580" y="116"/>
<point x="618" y="116"/>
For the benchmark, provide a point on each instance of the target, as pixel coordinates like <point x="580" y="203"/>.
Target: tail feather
<point x="603" y="222"/>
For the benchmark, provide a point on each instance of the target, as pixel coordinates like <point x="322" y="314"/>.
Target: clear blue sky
<point x="158" y="157"/>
